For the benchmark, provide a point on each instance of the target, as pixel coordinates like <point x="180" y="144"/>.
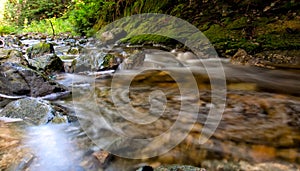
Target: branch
<point x="53" y="32"/>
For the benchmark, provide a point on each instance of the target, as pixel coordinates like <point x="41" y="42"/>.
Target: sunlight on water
<point x="51" y="147"/>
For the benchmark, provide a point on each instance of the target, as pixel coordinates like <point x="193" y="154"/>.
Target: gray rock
<point x="179" y="168"/>
<point x="269" y="59"/>
<point x="40" y="49"/>
<point x="14" y="56"/>
<point x="241" y="57"/>
<point x="16" y="79"/>
<point x="110" y="37"/>
<point x="243" y="165"/>
<point x="49" y="64"/>
<point x="33" y="111"/>
<point x="90" y="60"/>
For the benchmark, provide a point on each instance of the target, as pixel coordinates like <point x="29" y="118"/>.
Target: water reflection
<point x="52" y="148"/>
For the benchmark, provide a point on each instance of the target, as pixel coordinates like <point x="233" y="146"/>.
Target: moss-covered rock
<point x="73" y="51"/>
<point x="48" y="64"/>
<point x="33" y="111"/>
<point x="40" y="49"/>
<point x="14" y="56"/>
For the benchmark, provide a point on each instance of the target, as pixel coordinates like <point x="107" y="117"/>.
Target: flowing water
<point x="164" y="111"/>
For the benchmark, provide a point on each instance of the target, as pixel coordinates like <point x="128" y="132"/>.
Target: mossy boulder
<point x="73" y="51"/>
<point x="11" y="55"/>
<point x="93" y="60"/>
<point x="48" y="64"/>
<point x="33" y="111"/>
<point x="40" y="49"/>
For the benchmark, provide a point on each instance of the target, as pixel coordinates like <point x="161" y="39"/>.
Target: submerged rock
<point x="33" y="111"/>
<point x="16" y="79"/>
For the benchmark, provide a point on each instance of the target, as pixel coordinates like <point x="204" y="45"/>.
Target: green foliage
<point x="21" y="12"/>
<point x="43" y="26"/>
<point x="6" y="29"/>
<point x="85" y="13"/>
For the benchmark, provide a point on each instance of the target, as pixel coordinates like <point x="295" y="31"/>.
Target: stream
<point x="154" y="115"/>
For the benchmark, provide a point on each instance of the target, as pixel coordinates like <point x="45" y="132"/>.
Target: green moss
<point x="238" y="23"/>
<point x="39" y="49"/>
<point x="150" y="39"/>
<point x="107" y="60"/>
<point x="279" y="42"/>
<point x="216" y="34"/>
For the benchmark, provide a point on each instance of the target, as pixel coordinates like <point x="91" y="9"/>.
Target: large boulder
<point x="90" y="60"/>
<point x="33" y="111"/>
<point x="48" y="64"/>
<point x="40" y="49"/>
<point x="18" y="80"/>
<point x="14" y="56"/>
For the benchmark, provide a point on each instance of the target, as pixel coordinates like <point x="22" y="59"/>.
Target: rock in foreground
<point x="33" y="111"/>
<point x="19" y="80"/>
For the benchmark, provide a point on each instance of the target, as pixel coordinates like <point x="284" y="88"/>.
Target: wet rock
<point x="11" y="135"/>
<point x="269" y="59"/>
<point x="102" y="156"/>
<point x="110" y="37"/>
<point x="150" y="58"/>
<point x="179" y="168"/>
<point x="241" y="57"/>
<point x="12" y="42"/>
<point x="90" y="60"/>
<point x="135" y="60"/>
<point x="2" y="43"/>
<point x="49" y="64"/>
<point x="16" y="79"/>
<point x="217" y="165"/>
<point x="40" y="49"/>
<point x="73" y="51"/>
<point x="33" y="111"/>
<point x="146" y="168"/>
<point x="280" y="59"/>
<point x="69" y="65"/>
<point x="184" y="56"/>
<point x="14" y="56"/>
